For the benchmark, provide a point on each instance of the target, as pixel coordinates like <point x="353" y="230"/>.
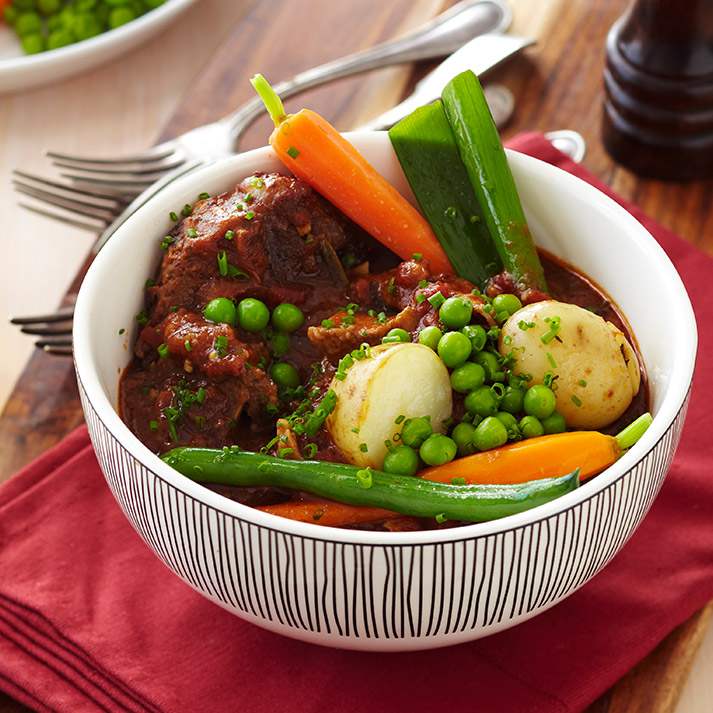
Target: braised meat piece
<point x="405" y="290"/>
<point x="265" y="234"/>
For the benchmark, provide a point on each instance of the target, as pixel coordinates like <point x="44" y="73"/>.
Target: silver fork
<point x="54" y="329"/>
<point x="120" y="179"/>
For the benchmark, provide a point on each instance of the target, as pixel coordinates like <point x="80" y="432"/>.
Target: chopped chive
<point x="364" y="478"/>
<point x="222" y="263"/>
<point x="436" y="300"/>
<point x="153" y="426"/>
<point x="173" y="216"/>
<point x="163" y="350"/>
<point x="250" y="215"/>
<point x="292" y="152"/>
<point x="192" y="232"/>
<point x="229" y="234"/>
<point x="203" y="196"/>
<point x="576" y="400"/>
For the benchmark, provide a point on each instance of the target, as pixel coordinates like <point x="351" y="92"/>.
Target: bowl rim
<point x="87" y="375"/>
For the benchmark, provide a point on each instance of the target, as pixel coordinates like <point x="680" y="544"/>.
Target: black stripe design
<point x="359" y="595"/>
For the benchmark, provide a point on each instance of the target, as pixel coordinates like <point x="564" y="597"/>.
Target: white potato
<point x="403" y="379"/>
<point x="596" y="368"/>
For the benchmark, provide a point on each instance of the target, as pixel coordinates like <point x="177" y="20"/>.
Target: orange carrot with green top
<point x="543" y="457"/>
<point x="318" y="154"/>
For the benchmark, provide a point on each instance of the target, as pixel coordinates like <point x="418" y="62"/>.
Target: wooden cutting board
<point x="557" y="85"/>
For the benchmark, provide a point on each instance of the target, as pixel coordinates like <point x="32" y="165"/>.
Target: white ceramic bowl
<point x="392" y="591"/>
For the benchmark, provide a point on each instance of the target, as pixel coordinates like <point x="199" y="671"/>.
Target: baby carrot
<point x="317" y="153"/>
<point x="543" y="457"/>
<point x="327" y="512"/>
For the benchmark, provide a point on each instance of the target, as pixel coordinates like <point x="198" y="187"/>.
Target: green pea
<point x="512" y="399"/>
<point x="253" y="315"/>
<point x="438" y="449"/>
<point x="59" y="38"/>
<point x="221" y="309"/>
<point x="530" y="427"/>
<point x="554" y="423"/>
<point x="284" y="375"/>
<point x="507" y="304"/>
<point x="280" y="343"/>
<point x="430" y="337"/>
<point x="120" y="16"/>
<point x="10" y="15"/>
<point x="477" y="335"/>
<point x="287" y="317"/>
<point x="86" y="26"/>
<point x="28" y="23"/>
<point x="49" y="7"/>
<point x="482" y="402"/>
<point x="462" y="434"/>
<point x="466" y="377"/>
<point x="539" y="401"/>
<point x="33" y="43"/>
<point x="490" y="433"/>
<point x="415" y="431"/>
<point x="490" y="363"/>
<point x="401" y="460"/>
<point x="396" y="335"/>
<point x="510" y="423"/>
<point x="454" y="348"/>
<point x="456" y="312"/>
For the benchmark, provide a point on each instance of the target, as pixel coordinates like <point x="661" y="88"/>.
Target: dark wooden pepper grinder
<point x="658" y="106"/>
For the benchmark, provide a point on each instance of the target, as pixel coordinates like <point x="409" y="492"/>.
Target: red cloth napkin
<point x="91" y="621"/>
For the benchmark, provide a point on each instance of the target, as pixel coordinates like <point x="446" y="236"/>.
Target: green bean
<point x="404" y="494"/>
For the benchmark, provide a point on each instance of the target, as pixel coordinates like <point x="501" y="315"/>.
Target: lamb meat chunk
<point x="241" y="243"/>
<point x="336" y="341"/>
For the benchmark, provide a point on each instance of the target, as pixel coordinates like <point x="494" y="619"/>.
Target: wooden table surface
<point x="190" y="76"/>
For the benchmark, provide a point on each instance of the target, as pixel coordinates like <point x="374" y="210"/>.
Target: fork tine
<point x="49" y="330"/>
<point x="59" y="315"/>
<point x="62" y="346"/>
<point x="61" y="218"/>
<point x="123" y="168"/>
<point x="129" y="187"/>
<point x="86" y="207"/>
<point x="157" y="153"/>
<point x="106" y="195"/>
